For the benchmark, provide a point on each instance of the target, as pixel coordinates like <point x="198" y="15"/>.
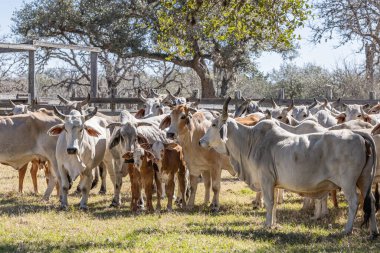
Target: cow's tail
<point x="96" y="178"/>
<point x="377" y="197"/>
<point x="370" y="166"/>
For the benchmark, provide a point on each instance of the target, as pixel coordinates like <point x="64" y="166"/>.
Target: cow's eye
<point x="213" y="125"/>
<point x="359" y="115"/>
<point x="157" y="106"/>
<point x="279" y="117"/>
<point x="304" y="115"/>
<point x="183" y="116"/>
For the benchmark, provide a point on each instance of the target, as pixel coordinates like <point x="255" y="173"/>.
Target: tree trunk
<point x="227" y="76"/>
<point x="207" y="83"/>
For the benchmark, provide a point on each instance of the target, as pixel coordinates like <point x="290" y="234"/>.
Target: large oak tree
<point x="196" y="34"/>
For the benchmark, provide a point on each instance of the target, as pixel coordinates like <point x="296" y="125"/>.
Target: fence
<point x="134" y="103"/>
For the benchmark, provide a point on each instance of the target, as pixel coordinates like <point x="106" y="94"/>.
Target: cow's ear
<point x="223" y="133"/>
<point x="142" y="140"/>
<point x="365" y="106"/>
<point x="146" y="146"/>
<point x="128" y="155"/>
<point x="172" y="146"/>
<point x="91" y="131"/>
<point x="56" y="130"/>
<point x="115" y="139"/>
<point x="341" y="118"/>
<point x="376" y="130"/>
<point x="188" y="122"/>
<point x="140" y="113"/>
<point x="149" y="155"/>
<point x="165" y="123"/>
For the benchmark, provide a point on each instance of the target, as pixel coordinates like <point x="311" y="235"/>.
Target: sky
<point x="324" y="54"/>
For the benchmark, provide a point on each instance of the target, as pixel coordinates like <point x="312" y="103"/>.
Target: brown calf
<point x="36" y="163"/>
<point x="170" y="161"/>
<point x="142" y="174"/>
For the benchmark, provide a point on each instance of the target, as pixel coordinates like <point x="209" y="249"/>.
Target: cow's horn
<point x="141" y="97"/>
<point x="269" y="114"/>
<point x="225" y="109"/>
<point x="155" y="94"/>
<point x="274" y="105"/>
<point x="261" y="100"/>
<point x="63" y="100"/>
<point x="169" y="93"/>
<point x="325" y="102"/>
<point x="243" y="98"/>
<point x="177" y="93"/>
<point x="313" y="104"/>
<point x="85" y="102"/>
<point x="91" y="114"/>
<point x="58" y="113"/>
<point x="11" y="102"/>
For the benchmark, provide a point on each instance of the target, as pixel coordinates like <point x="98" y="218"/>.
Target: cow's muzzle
<point x="170" y="135"/>
<point x="72" y="151"/>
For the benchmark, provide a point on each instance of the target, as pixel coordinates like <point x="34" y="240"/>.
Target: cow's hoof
<point x="169" y="209"/>
<point x="189" y="208"/>
<point x="45" y="198"/>
<point x="214" y="208"/>
<point x="83" y="208"/>
<point x="373" y="236"/>
<point x="63" y="208"/>
<point x="115" y="203"/>
<point x="102" y="192"/>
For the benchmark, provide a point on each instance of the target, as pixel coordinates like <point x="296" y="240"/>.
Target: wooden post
<point x="281" y="94"/>
<point x="237" y="97"/>
<point x="113" y="95"/>
<point x="94" y="74"/>
<point x="372" y="95"/>
<point x="329" y="92"/>
<point x="32" y="87"/>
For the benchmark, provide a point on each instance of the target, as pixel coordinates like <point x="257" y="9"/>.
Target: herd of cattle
<point x="311" y="150"/>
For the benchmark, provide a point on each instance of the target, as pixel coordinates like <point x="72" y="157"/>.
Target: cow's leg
<point x="334" y="198"/>
<point x="169" y="187"/>
<point x="147" y="179"/>
<point x="65" y="185"/>
<point x="307" y="203"/>
<point x="135" y="186"/>
<point x="118" y="184"/>
<point x="85" y="186"/>
<point x="52" y="181"/>
<point x="193" y="191"/>
<point x="216" y="175"/>
<point x="157" y="179"/>
<point x="21" y="176"/>
<point x="207" y="182"/>
<point x="33" y="173"/>
<point x="352" y="199"/>
<point x="182" y="186"/>
<point x="103" y="176"/>
<point x="95" y="181"/>
<point x="258" y="201"/>
<point x="324" y="207"/>
<point x="270" y="203"/>
<point x="317" y="209"/>
<point x="280" y="196"/>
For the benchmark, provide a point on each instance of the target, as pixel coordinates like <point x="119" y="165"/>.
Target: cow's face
<point x="179" y="121"/>
<point x="127" y="135"/>
<point x="20" y="109"/>
<point x="354" y="112"/>
<point x="215" y="136"/>
<point x="73" y="128"/>
<point x="281" y="114"/>
<point x="300" y="113"/>
<point x="152" y="107"/>
<point x="158" y="150"/>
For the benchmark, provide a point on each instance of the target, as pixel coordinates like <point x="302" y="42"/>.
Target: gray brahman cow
<point x="266" y="156"/>
<point x="24" y="138"/>
<point x="81" y="146"/>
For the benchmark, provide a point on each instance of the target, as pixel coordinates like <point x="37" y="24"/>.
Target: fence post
<point x="113" y="95"/>
<point x="329" y="92"/>
<point x="281" y="95"/>
<point x="237" y="98"/>
<point x="32" y="87"/>
<point x="372" y="95"/>
<point x="94" y="74"/>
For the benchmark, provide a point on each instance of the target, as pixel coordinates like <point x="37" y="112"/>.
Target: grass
<point x="27" y="224"/>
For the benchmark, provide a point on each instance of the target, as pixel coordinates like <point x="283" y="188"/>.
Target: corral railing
<point x="133" y="104"/>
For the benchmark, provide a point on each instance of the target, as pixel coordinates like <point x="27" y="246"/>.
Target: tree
<point x="352" y="20"/>
<point x="195" y="34"/>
